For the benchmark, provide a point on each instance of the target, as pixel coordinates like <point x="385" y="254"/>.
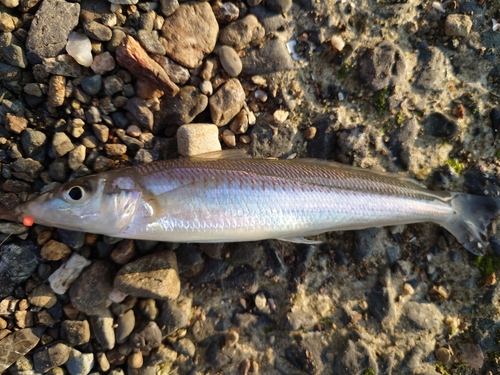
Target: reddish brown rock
<point x="132" y="56"/>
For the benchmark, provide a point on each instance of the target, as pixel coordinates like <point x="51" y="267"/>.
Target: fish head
<point x="96" y="204"/>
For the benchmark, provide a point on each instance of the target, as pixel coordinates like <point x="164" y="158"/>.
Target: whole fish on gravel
<point x="229" y="198"/>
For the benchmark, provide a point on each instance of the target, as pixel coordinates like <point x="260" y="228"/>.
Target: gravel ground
<point x="90" y="85"/>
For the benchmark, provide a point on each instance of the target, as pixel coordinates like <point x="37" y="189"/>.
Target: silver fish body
<point x="230" y="200"/>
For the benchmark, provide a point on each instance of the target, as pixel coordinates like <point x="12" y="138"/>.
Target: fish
<point x="214" y="199"/>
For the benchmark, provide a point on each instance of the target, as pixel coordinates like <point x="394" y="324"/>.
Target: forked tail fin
<point x="472" y="214"/>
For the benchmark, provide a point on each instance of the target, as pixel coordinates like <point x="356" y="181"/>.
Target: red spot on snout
<point x="28" y="221"/>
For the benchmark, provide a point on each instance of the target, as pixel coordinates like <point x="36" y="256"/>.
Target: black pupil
<point x="76" y="193"/>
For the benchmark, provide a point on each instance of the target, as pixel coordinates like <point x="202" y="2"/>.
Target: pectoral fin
<point x="301" y="240"/>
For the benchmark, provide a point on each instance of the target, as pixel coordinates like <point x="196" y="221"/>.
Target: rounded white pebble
<point x="80" y="48"/>
<point x="338" y="43"/>
<point x="261" y="95"/>
<point x="206" y="88"/>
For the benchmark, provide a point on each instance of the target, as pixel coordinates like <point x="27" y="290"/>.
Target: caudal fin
<point x="473" y="213"/>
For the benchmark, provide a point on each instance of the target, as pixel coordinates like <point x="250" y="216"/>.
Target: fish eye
<point x="76" y="193"/>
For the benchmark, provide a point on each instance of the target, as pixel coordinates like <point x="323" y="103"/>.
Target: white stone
<point x="80" y="48"/>
<point x="195" y="139"/>
<point x="337" y="42"/>
<point x="79" y="363"/>
<point x="65" y="276"/>
<point x="280" y="116"/>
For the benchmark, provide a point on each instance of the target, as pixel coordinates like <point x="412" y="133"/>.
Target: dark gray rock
<point x="431" y="69"/>
<point x="379" y="301"/>
<point x="401" y="141"/>
<point x="102" y="329"/>
<point x="138" y="108"/>
<point x="50" y="356"/>
<point x="72" y="238"/>
<point x="150" y="42"/>
<point x="172" y="317"/>
<point x="50" y="29"/>
<point x="58" y="170"/>
<point x="28" y="167"/>
<point x="146" y="338"/>
<point x="364" y="243"/>
<point x="495" y="120"/>
<point x="352" y="144"/>
<point x="271" y="21"/>
<point x="34" y="144"/>
<point x="439" y="126"/>
<point x="323" y="144"/>
<point x="485" y="333"/>
<point x="9" y="72"/>
<point x="475" y="11"/>
<point x="182" y="108"/>
<point x="243" y="279"/>
<point x="279" y="6"/>
<point x="382" y="66"/>
<point x="355" y="359"/>
<point x="76" y="332"/>
<point x="215" y="356"/>
<point x="298" y="356"/>
<point x="98" y="277"/>
<point x="92" y="84"/>
<point x="63" y="65"/>
<point x="213" y="272"/>
<point x="266" y="143"/>
<point x="189" y="260"/>
<point x="97" y="31"/>
<point x="272" y="57"/>
<point x="17" y="264"/>
<point x="12" y="51"/>
<point x="125" y="324"/>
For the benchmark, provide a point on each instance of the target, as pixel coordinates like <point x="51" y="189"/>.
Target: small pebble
<point x="64" y="276"/>
<point x="15" y="124"/>
<point x="103" y="63"/>
<point x="280" y="116"/>
<point x="239" y="125"/>
<point x="134" y="131"/>
<point x="42" y="296"/>
<point x="230" y="61"/>
<point x="80" y="48"/>
<point x="116" y="149"/>
<point x="55" y="250"/>
<point x="309" y="133"/>
<point x="57" y="91"/>
<point x="101" y="132"/>
<point x="228" y="138"/>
